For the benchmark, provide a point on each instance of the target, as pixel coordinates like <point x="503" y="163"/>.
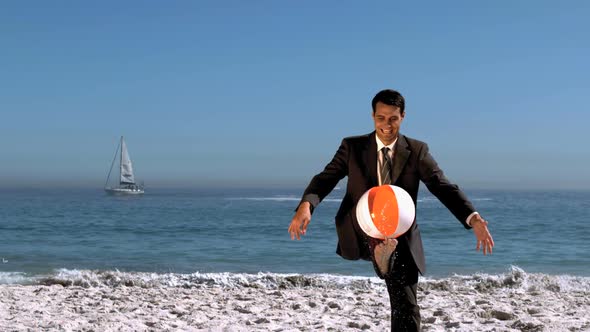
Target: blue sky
<point x="260" y="93"/>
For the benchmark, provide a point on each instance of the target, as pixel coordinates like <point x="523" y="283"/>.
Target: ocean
<point x="84" y="234"/>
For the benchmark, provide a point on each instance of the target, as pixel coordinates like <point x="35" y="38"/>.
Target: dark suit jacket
<point x="357" y="159"/>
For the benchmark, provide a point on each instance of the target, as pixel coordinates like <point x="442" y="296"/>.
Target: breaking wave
<point x="514" y="279"/>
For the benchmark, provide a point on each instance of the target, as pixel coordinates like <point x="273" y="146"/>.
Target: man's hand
<point x="484" y="238"/>
<point x="300" y="221"/>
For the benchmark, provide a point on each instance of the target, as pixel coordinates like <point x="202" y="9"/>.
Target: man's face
<point x="387" y="120"/>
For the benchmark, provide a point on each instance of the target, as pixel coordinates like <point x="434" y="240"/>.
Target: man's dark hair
<point x="389" y="97"/>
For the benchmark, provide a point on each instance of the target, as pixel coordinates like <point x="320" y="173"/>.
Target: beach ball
<point x="385" y="211"/>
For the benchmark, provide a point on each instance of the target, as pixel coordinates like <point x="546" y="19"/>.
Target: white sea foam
<point x="434" y="199"/>
<point x="278" y="199"/>
<point x="13" y="278"/>
<point x="266" y="280"/>
<point x="514" y="279"/>
<point x="336" y="200"/>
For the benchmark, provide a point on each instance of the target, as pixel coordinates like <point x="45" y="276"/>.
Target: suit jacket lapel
<point x="400" y="157"/>
<point x="370" y="159"/>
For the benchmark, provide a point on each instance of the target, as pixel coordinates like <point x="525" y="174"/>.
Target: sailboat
<point x="127" y="185"/>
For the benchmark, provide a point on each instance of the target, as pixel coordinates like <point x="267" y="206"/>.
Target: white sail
<point x="127" y="185"/>
<point x="126" y="168"/>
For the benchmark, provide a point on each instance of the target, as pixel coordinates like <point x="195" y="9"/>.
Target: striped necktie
<point x="386" y="167"/>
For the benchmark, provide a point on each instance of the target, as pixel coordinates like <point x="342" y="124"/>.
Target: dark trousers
<point x="401" y="281"/>
<point x="402" y="285"/>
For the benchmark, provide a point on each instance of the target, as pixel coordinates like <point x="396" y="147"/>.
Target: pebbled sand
<point x="513" y="302"/>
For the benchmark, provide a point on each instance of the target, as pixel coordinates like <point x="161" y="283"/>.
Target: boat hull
<point x="124" y="191"/>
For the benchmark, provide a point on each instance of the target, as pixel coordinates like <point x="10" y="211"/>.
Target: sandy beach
<point x="516" y="301"/>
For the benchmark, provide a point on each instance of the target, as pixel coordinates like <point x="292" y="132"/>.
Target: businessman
<point x="387" y="157"/>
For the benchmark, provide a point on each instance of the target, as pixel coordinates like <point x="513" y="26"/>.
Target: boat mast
<point x="112" y="164"/>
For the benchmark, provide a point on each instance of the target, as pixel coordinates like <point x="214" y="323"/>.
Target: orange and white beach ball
<point x="385" y="211"/>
